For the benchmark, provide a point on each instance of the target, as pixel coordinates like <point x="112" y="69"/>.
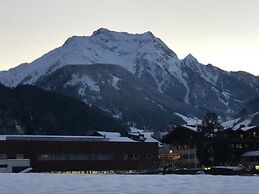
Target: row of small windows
<point x="253" y="134"/>
<point x="18" y="156"/>
<point x="184" y="147"/>
<point x="136" y="156"/>
<point x="52" y="156"/>
<point x="188" y="156"/>
<point x="75" y="157"/>
<point x="241" y="146"/>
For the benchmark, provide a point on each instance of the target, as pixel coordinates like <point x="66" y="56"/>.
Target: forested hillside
<point x="29" y="110"/>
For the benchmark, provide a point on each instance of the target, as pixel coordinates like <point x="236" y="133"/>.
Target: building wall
<point x="83" y="155"/>
<point x="187" y="155"/>
<point x="241" y="141"/>
<point x="13" y="165"/>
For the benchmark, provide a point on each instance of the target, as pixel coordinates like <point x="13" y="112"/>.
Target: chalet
<point x="226" y="149"/>
<point x="182" y="150"/>
<point x="242" y="140"/>
<point x="103" y="152"/>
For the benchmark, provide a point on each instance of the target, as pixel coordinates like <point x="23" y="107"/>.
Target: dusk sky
<point x="224" y="33"/>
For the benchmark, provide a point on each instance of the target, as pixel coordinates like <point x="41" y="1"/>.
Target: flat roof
<point x="105" y="137"/>
<point x="51" y="138"/>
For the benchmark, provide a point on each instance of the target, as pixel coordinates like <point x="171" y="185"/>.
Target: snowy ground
<point x="113" y="184"/>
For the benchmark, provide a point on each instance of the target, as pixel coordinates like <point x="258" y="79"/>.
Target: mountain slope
<point x="186" y="82"/>
<point x="117" y="91"/>
<point x="250" y="112"/>
<point x="27" y="109"/>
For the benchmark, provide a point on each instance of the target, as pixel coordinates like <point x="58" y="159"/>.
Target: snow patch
<point x="190" y="121"/>
<point x="84" y="80"/>
<point x="115" y="81"/>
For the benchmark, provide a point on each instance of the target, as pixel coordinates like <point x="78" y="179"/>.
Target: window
<point x="185" y="156"/>
<point x="3" y="165"/>
<point x="241" y="136"/>
<point x="3" y="156"/>
<point x="192" y="156"/>
<point x="134" y="156"/>
<point x="19" y="156"/>
<point x="147" y="156"/>
<point x="125" y="157"/>
<point x="246" y="145"/>
<point x="185" y="147"/>
<point x="239" y="146"/>
<point x="179" y="147"/>
<point x="254" y="134"/>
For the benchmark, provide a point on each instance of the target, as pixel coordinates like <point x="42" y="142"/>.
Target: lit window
<point x="170" y="151"/>
<point x="241" y="136"/>
<point x="240" y="146"/>
<point x="254" y="134"/>
<point x="257" y="167"/>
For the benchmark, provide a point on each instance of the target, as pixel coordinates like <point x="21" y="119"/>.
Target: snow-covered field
<point x="112" y="184"/>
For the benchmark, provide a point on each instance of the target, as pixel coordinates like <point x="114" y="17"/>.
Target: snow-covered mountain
<point x="86" y="66"/>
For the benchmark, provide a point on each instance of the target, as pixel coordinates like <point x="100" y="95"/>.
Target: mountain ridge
<point x="204" y="87"/>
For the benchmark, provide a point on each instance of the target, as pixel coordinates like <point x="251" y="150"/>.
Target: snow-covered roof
<point x="147" y="135"/>
<point x="190" y="120"/>
<point x="243" y="123"/>
<point x="51" y="138"/>
<point x="193" y="128"/>
<point x="251" y="153"/>
<point x="115" y="136"/>
<point x="236" y="124"/>
<point x="247" y="128"/>
<point x="230" y="123"/>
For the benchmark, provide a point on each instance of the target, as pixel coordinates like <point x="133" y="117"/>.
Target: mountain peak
<point x="101" y="31"/>
<point x="74" y="39"/>
<point x="148" y="34"/>
<point x="190" y="57"/>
